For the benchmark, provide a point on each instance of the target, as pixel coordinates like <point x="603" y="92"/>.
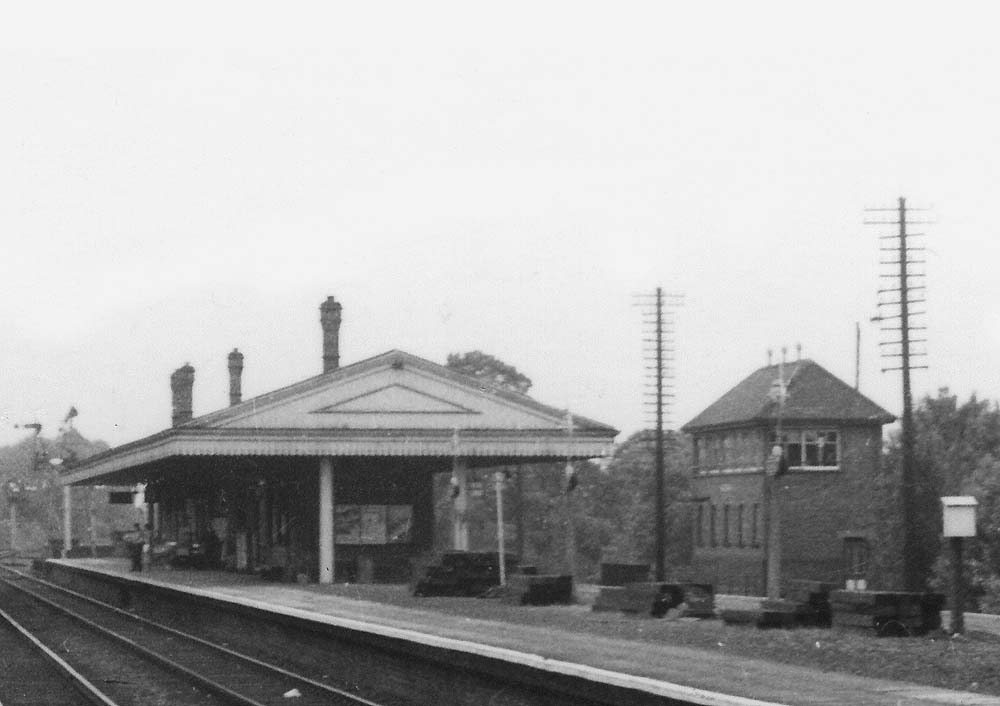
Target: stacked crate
<point x="812" y="599"/>
<point x="618" y="574"/>
<point x="887" y="612"/>
<point x="656" y="598"/>
<point x="462" y="574"/>
<point x="538" y="589"/>
<point x="806" y="604"/>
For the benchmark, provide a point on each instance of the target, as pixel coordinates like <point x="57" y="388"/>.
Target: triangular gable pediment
<point x="401" y="392"/>
<point x="395" y="399"/>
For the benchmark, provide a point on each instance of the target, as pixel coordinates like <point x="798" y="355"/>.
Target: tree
<point x="957" y="452"/>
<point x="493" y="374"/>
<point x="613" y="507"/>
<point x="624" y="496"/>
<point x="30" y="481"/>
<point x="490" y="370"/>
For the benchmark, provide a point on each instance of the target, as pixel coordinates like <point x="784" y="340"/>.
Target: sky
<point x="506" y="179"/>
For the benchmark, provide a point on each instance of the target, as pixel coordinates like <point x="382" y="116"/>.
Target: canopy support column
<point x="326" y="550"/>
<point x="460" y="505"/>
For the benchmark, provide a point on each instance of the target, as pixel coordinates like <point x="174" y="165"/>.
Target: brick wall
<point x="819" y="509"/>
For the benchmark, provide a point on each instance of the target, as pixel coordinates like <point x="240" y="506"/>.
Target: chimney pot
<point x="181" y="388"/>
<point x="329" y="318"/>
<point x="235" y="375"/>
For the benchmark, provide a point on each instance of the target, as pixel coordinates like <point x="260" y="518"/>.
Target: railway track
<point x="86" y="651"/>
<point x="32" y="673"/>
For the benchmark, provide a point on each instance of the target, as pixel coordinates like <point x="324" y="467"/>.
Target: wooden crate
<point x="539" y="589"/>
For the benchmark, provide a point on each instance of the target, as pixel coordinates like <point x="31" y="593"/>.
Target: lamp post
<point x="67" y="512"/>
<point x="771" y="498"/>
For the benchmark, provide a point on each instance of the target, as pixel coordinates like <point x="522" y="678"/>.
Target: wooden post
<point x="772" y="494"/>
<point x="913" y="579"/>
<point x="67" y="520"/>
<point x="660" y="524"/>
<point x="772" y="483"/>
<point x="13" y="527"/>
<point x="92" y="521"/>
<point x="957" y="588"/>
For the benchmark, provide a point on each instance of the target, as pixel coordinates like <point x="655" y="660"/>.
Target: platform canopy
<point x="392" y="405"/>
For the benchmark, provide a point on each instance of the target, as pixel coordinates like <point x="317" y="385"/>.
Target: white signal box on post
<point x="959" y="515"/>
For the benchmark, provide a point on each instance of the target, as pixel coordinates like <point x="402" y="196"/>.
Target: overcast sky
<point x="504" y="180"/>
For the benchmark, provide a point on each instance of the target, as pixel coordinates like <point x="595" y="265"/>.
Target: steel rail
<point x="170" y="664"/>
<point x="77" y="680"/>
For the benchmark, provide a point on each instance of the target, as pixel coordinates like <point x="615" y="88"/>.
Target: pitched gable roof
<point x="393" y="404"/>
<point x="345" y="394"/>
<point x="814" y="394"/>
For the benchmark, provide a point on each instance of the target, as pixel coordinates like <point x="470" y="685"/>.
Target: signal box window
<point x="810" y="448"/>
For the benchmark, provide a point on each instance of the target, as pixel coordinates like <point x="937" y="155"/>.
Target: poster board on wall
<point x="347" y="524"/>
<point x="372" y="524"/>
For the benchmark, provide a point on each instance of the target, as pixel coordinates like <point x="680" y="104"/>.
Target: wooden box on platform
<point x="656" y="598"/>
<point x="778" y="613"/>
<point x="741" y="616"/>
<point x="887" y="612"/>
<point x="621" y="574"/>
<point x="699" y="600"/>
<point x="813" y="599"/>
<point x="806" y="604"/>
<point x="538" y="589"/>
<point x="463" y="574"/>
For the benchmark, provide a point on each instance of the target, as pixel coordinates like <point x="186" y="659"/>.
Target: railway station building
<point x="331" y="478"/>
<point x="832" y="520"/>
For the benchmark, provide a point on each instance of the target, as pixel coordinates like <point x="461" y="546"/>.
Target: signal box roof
<point x="813" y="395"/>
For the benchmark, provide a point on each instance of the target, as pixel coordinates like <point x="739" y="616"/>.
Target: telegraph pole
<point x="905" y="288"/>
<point x="659" y="351"/>
<point x="857" y="355"/>
<point x="660" y="520"/>
<point x="772" y="498"/>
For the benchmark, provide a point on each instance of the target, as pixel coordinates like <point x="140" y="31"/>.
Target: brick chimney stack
<point x="181" y="387"/>
<point x="235" y="377"/>
<point x="329" y="317"/>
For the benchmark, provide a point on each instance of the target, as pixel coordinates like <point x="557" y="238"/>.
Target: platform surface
<point x="768" y="682"/>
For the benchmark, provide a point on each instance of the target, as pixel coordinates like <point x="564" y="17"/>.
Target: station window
<point x="699" y="528"/>
<point x="725" y="525"/>
<point x="739" y="525"/>
<point x="712" y="537"/>
<point x="754" y="525"/>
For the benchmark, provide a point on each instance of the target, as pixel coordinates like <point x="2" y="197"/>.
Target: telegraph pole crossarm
<point x="659" y="353"/>
<point x="898" y="347"/>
